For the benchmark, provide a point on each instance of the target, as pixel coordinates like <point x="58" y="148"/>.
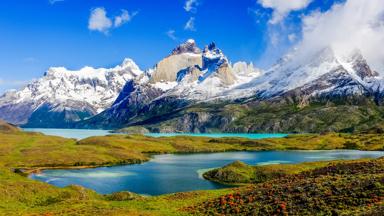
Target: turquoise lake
<point x="83" y="133"/>
<point x="171" y="173"/>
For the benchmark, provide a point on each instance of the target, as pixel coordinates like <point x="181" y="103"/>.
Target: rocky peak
<point x="184" y="56"/>
<point x="213" y="57"/>
<point x="360" y="65"/>
<point x="212" y="52"/>
<point x="188" y="47"/>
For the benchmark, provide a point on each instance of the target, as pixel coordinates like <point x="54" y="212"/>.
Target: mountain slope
<point x="200" y="90"/>
<point x="323" y="93"/>
<point x="63" y="96"/>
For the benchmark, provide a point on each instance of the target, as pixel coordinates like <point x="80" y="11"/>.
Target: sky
<point x="38" y="34"/>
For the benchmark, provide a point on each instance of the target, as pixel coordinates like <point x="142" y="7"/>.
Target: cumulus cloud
<point x="281" y="8"/>
<point x="124" y="18"/>
<point x="99" y="21"/>
<point x="171" y="34"/>
<point x="190" y="25"/>
<point x="190" y="5"/>
<point x="348" y="26"/>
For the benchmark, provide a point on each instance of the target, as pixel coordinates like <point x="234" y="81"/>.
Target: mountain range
<point x="200" y="90"/>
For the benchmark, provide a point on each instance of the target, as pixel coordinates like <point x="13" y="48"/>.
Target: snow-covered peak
<point x="191" y="41"/>
<point x="70" y="89"/>
<point x="127" y="68"/>
<point x="129" y="64"/>
<point x="356" y="65"/>
<point x="188" y="47"/>
<point x="322" y="72"/>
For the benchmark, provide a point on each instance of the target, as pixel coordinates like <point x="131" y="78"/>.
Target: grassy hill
<point x="343" y="188"/>
<point x="7" y="128"/>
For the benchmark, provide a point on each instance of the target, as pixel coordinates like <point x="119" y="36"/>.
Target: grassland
<point x="34" y="150"/>
<point x="30" y="151"/>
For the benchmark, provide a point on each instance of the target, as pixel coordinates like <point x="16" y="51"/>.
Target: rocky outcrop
<point x="225" y="74"/>
<point x="188" y="47"/>
<point x="184" y="56"/>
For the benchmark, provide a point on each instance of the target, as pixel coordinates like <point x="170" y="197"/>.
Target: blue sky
<point x="37" y="34"/>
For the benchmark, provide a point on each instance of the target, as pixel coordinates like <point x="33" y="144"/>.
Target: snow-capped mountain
<point x="321" y="74"/>
<point x="199" y="90"/>
<point x="63" y="96"/>
<point x="187" y="76"/>
<point x="205" y="74"/>
<point x="189" y="90"/>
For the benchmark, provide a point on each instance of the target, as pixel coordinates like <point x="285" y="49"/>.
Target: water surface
<point x="69" y="133"/>
<point x="220" y="135"/>
<point x="171" y="173"/>
<point x="84" y="133"/>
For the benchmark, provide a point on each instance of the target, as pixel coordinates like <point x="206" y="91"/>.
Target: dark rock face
<point x="128" y="106"/>
<point x="52" y="116"/>
<point x="16" y="113"/>
<point x="361" y="66"/>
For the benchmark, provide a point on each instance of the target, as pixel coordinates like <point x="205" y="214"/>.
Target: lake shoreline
<point x="37" y="170"/>
<point x="159" y="160"/>
<point x="232" y="141"/>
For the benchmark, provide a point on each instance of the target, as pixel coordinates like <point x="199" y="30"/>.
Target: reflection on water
<point x="180" y="172"/>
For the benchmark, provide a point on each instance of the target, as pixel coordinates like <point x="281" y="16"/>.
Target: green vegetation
<point x="133" y="130"/>
<point x="343" y="188"/>
<point x="22" y="151"/>
<point x="283" y="115"/>
<point x="239" y="172"/>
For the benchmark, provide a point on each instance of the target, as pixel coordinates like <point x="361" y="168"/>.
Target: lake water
<point x="83" y="133"/>
<point x="69" y="133"/>
<point x="171" y="173"/>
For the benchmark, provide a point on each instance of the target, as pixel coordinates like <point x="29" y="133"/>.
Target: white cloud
<point x="190" y="25"/>
<point x="281" y="8"/>
<point x="355" y="24"/>
<point x="124" y="18"/>
<point x="190" y="5"/>
<point x="98" y="20"/>
<point x="171" y="34"/>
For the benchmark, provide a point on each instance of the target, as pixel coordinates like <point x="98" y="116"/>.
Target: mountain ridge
<point x="74" y="95"/>
<point x="200" y="90"/>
